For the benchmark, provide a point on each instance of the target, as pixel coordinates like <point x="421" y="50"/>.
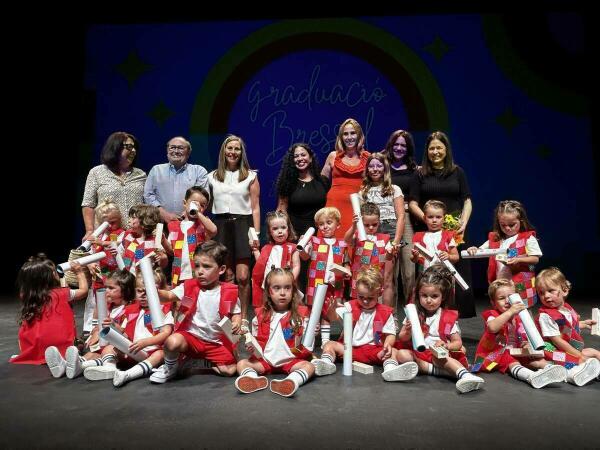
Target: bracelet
<point x="245" y="321"/>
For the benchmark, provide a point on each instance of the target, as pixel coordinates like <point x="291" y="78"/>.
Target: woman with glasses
<point x="114" y="179"/>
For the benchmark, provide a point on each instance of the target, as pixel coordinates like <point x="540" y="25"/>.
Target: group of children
<point x="198" y="302"/>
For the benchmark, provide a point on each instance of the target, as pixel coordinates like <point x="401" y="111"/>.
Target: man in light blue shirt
<point x="166" y="184"/>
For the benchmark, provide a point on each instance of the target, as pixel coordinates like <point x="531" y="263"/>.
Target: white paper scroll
<point x="158" y="318"/>
<point x="535" y="339"/>
<point x="596" y="318"/>
<point x="225" y="326"/>
<point x="85" y="246"/>
<point x="423" y="251"/>
<point x="158" y="235"/>
<point x="85" y="260"/>
<point x="347" y="344"/>
<point x="427" y="254"/>
<point x="308" y="341"/>
<point x="418" y="341"/>
<point x="302" y="242"/>
<point x="254" y="345"/>
<point x="101" y="310"/>
<point x="482" y="253"/>
<point x="360" y="227"/>
<point x="118" y="256"/>
<point x="194" y="208"/>
<point x="116" y="339"/>
<point x="252" y="235"/>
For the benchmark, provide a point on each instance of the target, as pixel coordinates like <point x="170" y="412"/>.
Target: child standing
<point x="439" y="242"/>
<point x="138" y="241"/>
<point x="278" y="327"/>
<point x="323" y="252"/>
<point x="513" y="232"/>
<point x="107" y="211"/>
<point x="373" y="333"/>
<point x="560" y="327"/>
<point x="504" y="331"/>
<point x="279" y="252"/>
<point x="46" y="316"/>
<point x="203" y="302"/>
<point x="187" y="234"/>
<point x="434" y="290"/>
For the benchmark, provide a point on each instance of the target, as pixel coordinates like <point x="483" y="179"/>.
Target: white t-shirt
<point x="276" y="351"/>
<point x="385" y="204"/>
<point x="363" y="328"/>
<point x="549" y="326"/>
<point x="433" y="322"/>
<point x="231" y="196"/>
<point x="532" y="247"/>
<point x="273" y="260"/>
<point x="141" y="332"/>
<point x="432" y="239"/>
<point x="205" y="321"/>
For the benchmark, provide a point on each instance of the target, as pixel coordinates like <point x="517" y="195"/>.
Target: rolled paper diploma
<point x="347" y="344"/>
<point x="360" y="227"/>
<point x="101" y="309"/>
<point x="535" y="339"/>
<point x="158" y="235"/>
<point x="156" y="314"/>
<point x="148" y="256"/>
<point x="252" y="235"/>
<point x="308" y="341"/>
<point x="118" y="257"/>
<point x="302" y="242"/>
<point x="482" y="253"/>
<point x="85" y="246"/>
<point x="596" y="318"/>
<point x="459" y="279"/>
<point x="115" y="338"/>
<point x="423" y="251"/>
<point x="194" y="208"/>
<point x="225" y="325"/>
<point x="254" y="345"/>
<point x="85" y="260"/>
<point x="418" y="341"/>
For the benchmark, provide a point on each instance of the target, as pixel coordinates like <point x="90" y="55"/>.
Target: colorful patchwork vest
<point x="108" y="264"/>
<point x="292" y="336"/>
<point x="369" y="253"/>
<point x="524" y="278"/>
<point x="195" y="236"/>
<point x="568" y="332"/>
<point x="318" y="266"/>
<point x="492" y="345"/>
<point x="443" y="246"/>
<point x="135" y="251"/>
<point x="132" y="313"/>
<point x="258" y="273"/>
<point x="382" y="315"/>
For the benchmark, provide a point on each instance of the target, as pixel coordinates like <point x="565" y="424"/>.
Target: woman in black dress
<point x="440" y="179"/>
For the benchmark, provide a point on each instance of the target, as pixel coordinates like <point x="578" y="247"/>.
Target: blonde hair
<point x="222" y="166"/>
<point x="340" y="148"/>
<point x="370" y="277"/>
<point x="498" y="284"/>
<point x="435" y="204"/>
<point x="330" y="212"/>
<point x="103" y="208"/>
<point x="552" y="275"/>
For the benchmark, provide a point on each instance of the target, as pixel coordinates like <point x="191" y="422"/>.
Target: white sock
<point x="142" y="369"/>
<point x="461" y="373"/>
<point x="249" y="372"/>
<point x="109" y="360"/>
<point x="389" y="364"/>
<point x="328" y="357"/>
<point x="171" y="363"/>
<point x="90" y="362"/>
<point x="434" y="371"/>
<point x="299" y="376"/>
<point x="325" y="333"/>
<point x="521" y="373"/>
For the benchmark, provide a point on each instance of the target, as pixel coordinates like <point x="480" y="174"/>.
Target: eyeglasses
<point x="176" y="147"/>
<point x="128" y="146"/>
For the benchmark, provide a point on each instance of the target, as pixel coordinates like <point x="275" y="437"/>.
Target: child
<point x="323" y="253"/>
<point x="376" y="251"/>
<point x="278" y="327"/>
<point x="560" y="327"/>
<point x="138" y="241"/>
<point x="504" y="331"/>
<point x="439" y="242"/>
<point x="434" y="290"/>
<point x="203" y="302"/>
<point x="513" y="232"/>
<point x="46" y="317"/>
<point x="120" y="290"/>
<point x="278" y="253"/>
<point x="186" y="235"/>
<point x="373" y="333"/>
<point x="107" y="211"/>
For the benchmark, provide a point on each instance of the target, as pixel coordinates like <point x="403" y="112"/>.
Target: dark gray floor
<point x="362" y="411"/>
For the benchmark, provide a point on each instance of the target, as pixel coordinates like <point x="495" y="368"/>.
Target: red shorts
<point x="269" y="369"/>
<point x="367" y="354"/>
<point x="427" y="356"/>
<point x="215" y="353"/>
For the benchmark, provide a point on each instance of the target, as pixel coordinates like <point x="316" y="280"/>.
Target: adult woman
<point x="235" y="206"/>
<point x="301" y="192"/>
<point x="344" y="167"/>
<point x="440" y="179"/>
<point x="400" y="152"/>
<point x="115" y="179"/>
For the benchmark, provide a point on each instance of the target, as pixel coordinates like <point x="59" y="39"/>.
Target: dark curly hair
<point x="35" y="281"/>
<point x="436" y="275"/>
<point x="288" y="175"/>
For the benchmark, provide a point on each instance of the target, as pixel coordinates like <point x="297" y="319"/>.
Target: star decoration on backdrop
<point x="161" y="113"/>
<point x="508" y="120"/>
<point x="437" y="48"/>
<point x="132" y="68"/>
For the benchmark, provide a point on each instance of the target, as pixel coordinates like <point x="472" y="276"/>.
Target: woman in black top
<point x="400" y="152"/>
<point x="301" y="192"/>
<point x="440" y="179"/>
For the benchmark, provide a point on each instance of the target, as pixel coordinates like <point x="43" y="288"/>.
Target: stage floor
<point x="362" y="411"/>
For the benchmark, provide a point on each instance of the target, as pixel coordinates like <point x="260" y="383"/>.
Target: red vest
<point x="369" y="253"/>
<point x="189" y="302"/>
<point x="318" y="266"/>
<point x="568" y="332"/>
<point x="258" y="273"/>
<point x="382" y="315"/>
<point x="443" y="246"/>
<point x="447" y="320"/>
<point x="135" y="251"/>
<point x="291" y="332"/>
<point x="132" y="313"/>
<point x="195" y="236"/>
<point x="523" y="274"/>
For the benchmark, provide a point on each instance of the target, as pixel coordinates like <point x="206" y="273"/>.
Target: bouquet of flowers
<point x="452" y="223"/>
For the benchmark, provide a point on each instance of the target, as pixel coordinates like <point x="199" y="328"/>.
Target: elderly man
<point x="167" y="183"/>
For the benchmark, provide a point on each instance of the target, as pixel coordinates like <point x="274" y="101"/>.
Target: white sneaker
<point x="56" y="363"/>
<point x="247" y="384"/>
<point x="74" y="368"/>
<point x="550" y="374"/>
<point x="584" y="373"/>
<point x="98" y="373"/>
<point x="403" y="372"/>
<point x="285" y="387"/>
<point x="468" y="383"/>
<point x="162" y="374"/>
<point x="119" y="378"/>
<point x="323" y="367"/>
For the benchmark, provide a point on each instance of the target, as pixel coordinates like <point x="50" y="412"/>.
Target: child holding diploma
<point x="107" y="211"/>
<point x="560" y="327"/>
<point x="139" y="241"/>
<point x="278" y="327"/>
<point x="434" y="291"/>
<point x="373" y="335"/>
<point x="46" y="317"/>
<point x="187" y="234"/>
<point x="503" y="332"/>
<point x="203" y="302"/>
<point x="279" y="252"/>
<point x="323" y="253"/>
<point x="513" y="232"/>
